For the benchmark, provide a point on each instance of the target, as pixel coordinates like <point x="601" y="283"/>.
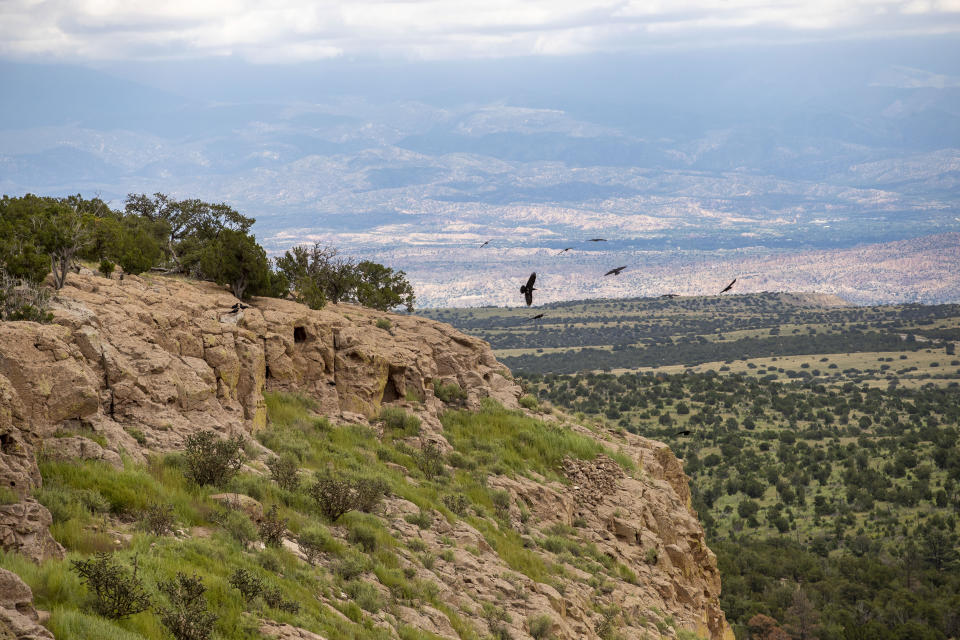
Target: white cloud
<point x="304" y="30"/>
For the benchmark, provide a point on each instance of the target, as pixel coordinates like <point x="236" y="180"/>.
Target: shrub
<point x="336" y="497"/>
<point x="540" y="626"/>
<point x="457" y="503"/>
<point x="23" y="300"/>
<point x="106" y="268"/>
<point x="365" y="536"/>
<point x="383" y="323"/>
<point x="237" y="524"/>
<point x="187" y="617"/>
<point x="349" y="567"/>
<point x="137" y="435"/>
<point x="284" y="471"/>
<point x="365" y="595"/>
<point x="117" y="593"/>
<point x="369" y="493"/>
<point x="313" y="542"/>
<point x="423" y="519"/>
<point x="652" y="555"/>
<point x="430" y="460"/>
<point x="529" y="402"/>
<point x="212" y="460"/>
<point x="274" y="599"/>
<point x="158" y="519"/>
<point x="501" y="503"/>
<point x="249" y="585"/>
<point x="448" y="393"/>
<point x="399" y="421"/>
<point x="272" y="527"/>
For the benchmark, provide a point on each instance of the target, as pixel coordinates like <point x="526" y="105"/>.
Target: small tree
<point x="249" y="585"/>
<point x="272" y="527"/>
<point x="212" y="460"/>
<point x="62" y="234"/>
<point x="334" y="496"/>
<point x="187" y="617"/>
<point x="158" y="519"/>
<point x="235" y="258"/>
<point x="285" y="472"/>
<point x="106" y="268"/>
<point x="117" y="592"/>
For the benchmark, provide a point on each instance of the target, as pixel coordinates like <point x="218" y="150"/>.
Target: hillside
<point x="468" y="513"/>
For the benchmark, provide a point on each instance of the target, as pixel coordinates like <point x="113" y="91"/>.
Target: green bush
<point x="117" y="593"/>
<point x="529" y="402"/>
<point x="248" y="584"/>
<point x="364" y="594"/>
<point x="158" y="519"/>
<point x="399" y="421"/>
<point x="423" y="519"/>
<point x="364" y="535"/>
<point x="187" y="617"/>
<point x="315" y="541"/>
<point x="448" y="393"/>
<point x="430" y="460"/>
<point x="272" y="527"/>
<point x="540" y="626"/>
<point x="384" y="323"/>
<point x="106" y="268"/>
<point x="457" y="503"/>
<point x="212" y="460"/>
<point x="285" y="472"/>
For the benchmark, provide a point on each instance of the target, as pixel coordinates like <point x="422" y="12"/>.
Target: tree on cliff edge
<point x="236" y="259"/>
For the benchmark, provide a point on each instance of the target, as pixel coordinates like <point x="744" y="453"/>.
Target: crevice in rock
<point x="299" y="334"/>
<point x="106" y="381"/>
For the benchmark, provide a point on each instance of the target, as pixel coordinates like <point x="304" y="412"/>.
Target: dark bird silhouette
<point x="597" y="240"/>
<point x="685" y="432"/>
<point x="615" y="272"/>
<point x="565" y="250"/>
<point x="239" y="306"/>
<point x="485" y="243"/>
<point x="121" y="276"/>
<point x="537" y="317"/>
<point x="527" y="289"/>
<point x="670" y="295"/>
<point x="728" y="287"/>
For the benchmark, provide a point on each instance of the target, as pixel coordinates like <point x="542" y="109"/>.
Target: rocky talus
<point x="139" y="364"/>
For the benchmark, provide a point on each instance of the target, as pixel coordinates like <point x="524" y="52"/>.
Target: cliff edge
<point x="129" y="369"/>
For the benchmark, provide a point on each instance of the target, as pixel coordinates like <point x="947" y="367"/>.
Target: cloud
<point x="306" y="30"/>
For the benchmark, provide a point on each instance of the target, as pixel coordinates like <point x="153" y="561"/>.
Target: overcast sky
<point x="305" y="30"/>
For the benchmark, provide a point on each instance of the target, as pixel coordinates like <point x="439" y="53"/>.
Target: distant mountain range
<point x="722" y="165"/>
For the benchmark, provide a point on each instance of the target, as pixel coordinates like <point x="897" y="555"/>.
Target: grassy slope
<point x="96" y="508"/>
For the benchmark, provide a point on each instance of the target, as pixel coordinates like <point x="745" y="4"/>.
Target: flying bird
<point x="597" y="240"/>
<point x="729" y="286"/>
<point x="485" y="243"/>
<point x="527" y="289"/>
<point x="670" y="295"/>
<point x="685" y="432"/>
<point x="565" y="250"/>
<point x="615" y="272"/>
<point x="537" y="317"/>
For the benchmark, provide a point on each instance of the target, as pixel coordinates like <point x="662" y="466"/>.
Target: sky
<point x="298" y="31"/>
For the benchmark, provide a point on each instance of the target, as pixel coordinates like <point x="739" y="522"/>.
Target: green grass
<point x="516" y="442"/>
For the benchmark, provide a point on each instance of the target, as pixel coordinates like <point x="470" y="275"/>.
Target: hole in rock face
<point x="390" y="392"/>
<point x="6" y="442"/>
<point x="299" y="334"/>
<point x="267" y="373"/>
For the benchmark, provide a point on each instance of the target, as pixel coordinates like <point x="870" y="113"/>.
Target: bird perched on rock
<point x="238" y="307"/>
<point x="615" y="272"/>
<point x="527" y="289"/>
<point x="728" y="287"/>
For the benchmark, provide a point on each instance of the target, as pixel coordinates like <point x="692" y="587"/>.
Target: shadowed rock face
<point x="160" y="358"/>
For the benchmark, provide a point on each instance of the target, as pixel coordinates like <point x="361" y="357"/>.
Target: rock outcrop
<point x="132" y="367"/>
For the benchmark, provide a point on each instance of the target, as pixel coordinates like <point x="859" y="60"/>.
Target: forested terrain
<point x="850" y="492"/>
<point x="653" y="332"/>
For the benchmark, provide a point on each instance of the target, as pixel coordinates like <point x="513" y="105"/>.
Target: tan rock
<point x="79" y="448"/>
<point x="18" y="618"/>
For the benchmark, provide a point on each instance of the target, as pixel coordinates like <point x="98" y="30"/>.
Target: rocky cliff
<point x="130" y="368"/>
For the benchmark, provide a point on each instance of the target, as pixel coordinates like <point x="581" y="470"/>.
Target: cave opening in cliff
<point x="390" y="392"/>
<point x="267" y="373"/>
<point x="299" y="334"/>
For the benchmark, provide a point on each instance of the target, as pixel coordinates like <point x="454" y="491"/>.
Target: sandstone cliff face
<point x="139" y="364"/>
